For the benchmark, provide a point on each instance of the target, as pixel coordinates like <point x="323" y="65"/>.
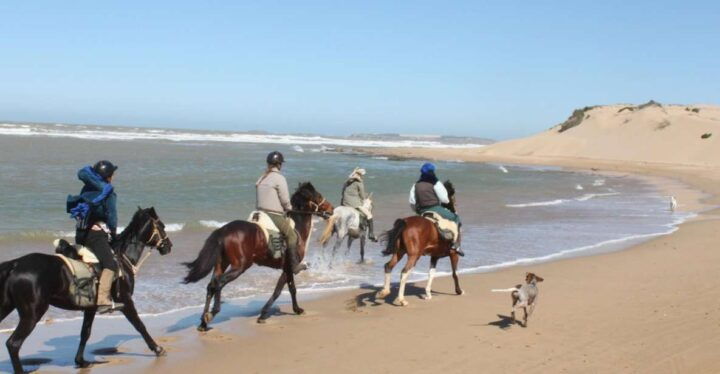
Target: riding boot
<point x="294" y="259"/>
<point x="371" y="230"/>
<point x="104" y="300"/>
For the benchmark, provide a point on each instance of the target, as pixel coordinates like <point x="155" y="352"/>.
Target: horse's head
<point x="152" y="230"/>
<point x="307" y="199"/>
<point x="451" y="195"/>
<point x="368" y="203"/>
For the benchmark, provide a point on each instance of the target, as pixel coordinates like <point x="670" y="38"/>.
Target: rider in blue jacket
<point x="96" y="214"/>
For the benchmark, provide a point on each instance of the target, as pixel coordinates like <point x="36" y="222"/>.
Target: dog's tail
<point x="504" y="289"/>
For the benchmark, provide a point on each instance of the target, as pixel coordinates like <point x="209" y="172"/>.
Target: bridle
<point x="316" y="209"/>
<point x="159" y="241"/>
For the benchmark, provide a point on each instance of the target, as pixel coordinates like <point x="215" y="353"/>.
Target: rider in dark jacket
<point x="96" y="215"/>
<point x="428" y="194"/>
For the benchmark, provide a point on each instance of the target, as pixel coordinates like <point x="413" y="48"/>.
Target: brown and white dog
<point x="524" y="296"/>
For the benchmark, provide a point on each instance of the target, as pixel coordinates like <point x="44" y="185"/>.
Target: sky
<point x="498" y="69"/>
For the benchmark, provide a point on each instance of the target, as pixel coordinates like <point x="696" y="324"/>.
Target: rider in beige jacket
<point x="273" y="198"/>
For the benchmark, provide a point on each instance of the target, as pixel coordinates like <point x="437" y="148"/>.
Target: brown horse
<point x="240" y="244"/>
<point x="417" y="236"/>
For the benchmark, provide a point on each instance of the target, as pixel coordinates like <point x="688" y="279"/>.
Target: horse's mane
<point x="123" y="240"/>
<point x="304" y="193"/>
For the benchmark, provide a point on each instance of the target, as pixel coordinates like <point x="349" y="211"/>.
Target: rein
<point x="158" y="242"/>
<point x="315" y="212"/>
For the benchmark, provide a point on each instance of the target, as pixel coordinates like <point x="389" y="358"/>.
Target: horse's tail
<point x="207" y="258"/>
<point x="392" y="236"/>
<point x="5" y="269"/>
<point x="327" y="233"/>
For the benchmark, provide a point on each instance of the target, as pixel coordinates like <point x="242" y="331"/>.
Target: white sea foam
<point x="212" y="223"/>
<point x="503" y="169"/>
<point x="298" y="148"/>
<point x="539" y="203"/>
<point x="579" y="187"/>
<point x="589" y="196"/>
<point x="599" y="182"/>
<point x="174" y="227"/>
<point x="113" y="133"/>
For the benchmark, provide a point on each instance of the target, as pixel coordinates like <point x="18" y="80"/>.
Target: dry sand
<point x="654" y="308"/>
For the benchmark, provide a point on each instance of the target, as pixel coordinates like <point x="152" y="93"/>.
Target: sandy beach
<point x="653" y="308"/>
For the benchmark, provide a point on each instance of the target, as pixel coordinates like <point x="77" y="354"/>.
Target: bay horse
<point x="418" y="236"/>
<point x="345" y="222"/>
<point x="33" y="282"/>
<point x="240" y="244"/>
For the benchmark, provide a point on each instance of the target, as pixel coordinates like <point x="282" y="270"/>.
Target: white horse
<point x="345" y="222"/>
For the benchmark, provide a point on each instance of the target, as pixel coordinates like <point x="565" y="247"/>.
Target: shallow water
<point x="511" y="214"/>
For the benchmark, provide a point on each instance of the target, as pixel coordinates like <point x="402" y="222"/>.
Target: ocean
<point x="198" y="180"/>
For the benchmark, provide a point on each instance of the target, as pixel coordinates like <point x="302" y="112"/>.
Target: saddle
<point x="448" y="229"/>
<point x="276" y="242"/>
<point x="84" y="268"/>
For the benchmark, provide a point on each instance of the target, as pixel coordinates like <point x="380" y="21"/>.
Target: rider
<point x="273" y="198"/>
<point x="96" y="219"/>
<point x="428" y="194"/>
<point x="353" y="195"/>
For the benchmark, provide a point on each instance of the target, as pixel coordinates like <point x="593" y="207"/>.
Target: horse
<point x="240" y="244"/>
<point x="345" y="222"/>
<point x="33" y="282"/>
<point x="418" y="236"/>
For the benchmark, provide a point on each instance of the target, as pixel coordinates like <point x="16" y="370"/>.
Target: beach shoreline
<point x="355" y="314"/>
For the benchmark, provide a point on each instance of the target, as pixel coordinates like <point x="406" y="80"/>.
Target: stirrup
<point x="107" y="309"/>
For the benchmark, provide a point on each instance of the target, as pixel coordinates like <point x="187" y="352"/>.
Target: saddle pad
<point x="275" y="241"/>
<point x="442" y="223"/>
<point x="77" y="268"/>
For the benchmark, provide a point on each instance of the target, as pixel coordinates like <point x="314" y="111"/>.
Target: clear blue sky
<point x="504" y="69"/>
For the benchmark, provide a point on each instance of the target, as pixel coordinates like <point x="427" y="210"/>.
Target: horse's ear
<point x="139" y="208"/>
<point x="153" y="214"/>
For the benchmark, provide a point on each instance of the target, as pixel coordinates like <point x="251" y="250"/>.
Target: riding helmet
<point x="275" y="158"/>
<point x="105" y="168"/>
<point x="427" y="168"/>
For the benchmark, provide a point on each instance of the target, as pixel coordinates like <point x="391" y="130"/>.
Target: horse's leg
<point x="388" y="271"/>
<point x="291" y="286"/>
<point x="88" y="319"/>
<point x="412" y="259"/>
<point x="265" y="312"/>
<point x="431" y="275"/>
<point x="454" y="258"/>
<point x="205" y="317"/>
<point x="132" y="315"/>
<point x="222" y="280"/>
<point x="29" y="316"/>
<point x="363" y="238"/>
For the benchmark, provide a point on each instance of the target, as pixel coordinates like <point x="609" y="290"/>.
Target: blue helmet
<point x="427" y="168"/>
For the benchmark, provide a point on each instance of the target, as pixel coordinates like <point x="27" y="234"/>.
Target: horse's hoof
<point x="262" y="320"/>
<point x="202" y="328"/>
<point x="160" y="351"/>
<point x="207" y="317"/>
<point x="382" y="294"/>
<point x="401" y="302"/>
<point x="428" y="296"/>
<point x="299" y="311"/>
<point x="460" y="292"/>
<point x="83" y="364"/>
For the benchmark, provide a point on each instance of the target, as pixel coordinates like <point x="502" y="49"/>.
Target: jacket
<point x="353" y="194"/>
<point x="97" y="201"/>
<point x="424" y="195"/>
<point x="271" y="192"/>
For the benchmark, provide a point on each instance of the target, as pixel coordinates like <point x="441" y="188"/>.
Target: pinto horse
<point x="33" y="282"/>
<point x="240" y="244"/>
<point x="417" y="236"/>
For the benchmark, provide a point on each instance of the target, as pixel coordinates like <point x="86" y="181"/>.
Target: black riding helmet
<point x="275" y="158"/>
<point x="105" y="169"/>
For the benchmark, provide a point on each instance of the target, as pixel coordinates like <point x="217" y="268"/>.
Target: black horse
<point x="35" y="281"/>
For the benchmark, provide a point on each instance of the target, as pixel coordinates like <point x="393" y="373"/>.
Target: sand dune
<point x="646" y="133"/>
